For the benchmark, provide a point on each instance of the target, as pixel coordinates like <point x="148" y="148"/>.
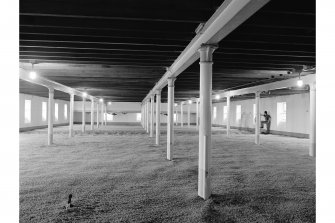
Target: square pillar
<point x="205" y="131"/>
<point x="170" y="133"/>
<point x="51" y="114"/>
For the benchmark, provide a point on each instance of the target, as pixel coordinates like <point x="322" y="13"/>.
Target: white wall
<point x="297" y="113"/>
<point x="36" y="111"/>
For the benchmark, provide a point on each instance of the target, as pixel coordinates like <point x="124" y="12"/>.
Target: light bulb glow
<point x="109" y="103"/>
<point x="101" y="100"/>
<point x="84" y="94"/>
<point x="217" y="97"/>
<point x="175" y="104"/>
<point x="32" y="75"/>
<point x="300" y="83"/>
<point x="190" y="101"/>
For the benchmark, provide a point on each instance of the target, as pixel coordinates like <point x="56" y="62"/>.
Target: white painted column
<point x="105" y="116"/>
<point x="158" y="117"/>
<point x="205" y="131"/>
<point x="152" y="116"/>
<point x="83" y="122"/>
<point x="92" y="114"/>
<point x="170" y="133"/>
<point x="228" y="116"/>
<point x="145" y="116"/>
<point x="71" y="115"/>
<point x="148" y="117"/>
<point x="197" y="115"/>
<point x="97" y="114"/>
<point x="51" y="114"/>
<point x="102" y="114"/>
<point x="312" y="115"/>
<point x="189" y="115"/>
<point x="257" y="124"/>
<point x="181" y="115"/>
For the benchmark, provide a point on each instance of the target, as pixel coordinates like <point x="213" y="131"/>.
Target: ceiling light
<point x="32" y="75"/>
<point x="190" y="101"/>
<point x="175" y="104"/>
<point x="217" y="97"/>
<point x="109" y="103"/>
<point x="101" y="100"/>
<point x="300" y="83"/>
<point x="84" y="94"/>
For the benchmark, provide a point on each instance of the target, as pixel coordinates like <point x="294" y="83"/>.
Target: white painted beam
<point x="308" y="79"/>
<point x="227" y="17"/>
<point x="24" y="75"/>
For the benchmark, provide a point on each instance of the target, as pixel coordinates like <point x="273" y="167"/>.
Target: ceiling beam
<point x="24" y="75"/>
<point x="227" y="17"/>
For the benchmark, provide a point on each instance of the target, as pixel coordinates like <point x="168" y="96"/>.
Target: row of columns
<point x="51" y="105"/>
<point x="204" y="119"/>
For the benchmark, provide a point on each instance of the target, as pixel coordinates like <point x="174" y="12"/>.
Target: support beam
<point x="152" y="116"/>
<point x="312" y="115"/>
<point x="51" y="114"/>
<point x="189" y="115"/>
<point x="228" y="116"/>
<point x="83" y="121"/>
<point x="92" y="114"/>
<point x="170" y="127"/>
<point x="158" y="117"/>
<point x="257" y="124"/>
<point x="205" y="130"/>
<point x="71" y="115"/>
<point x="230" y="15"/>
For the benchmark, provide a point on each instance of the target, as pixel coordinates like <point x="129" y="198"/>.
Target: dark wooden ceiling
<point x="119" y="49"/>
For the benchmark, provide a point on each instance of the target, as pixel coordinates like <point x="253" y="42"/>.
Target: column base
<point x="204" y="184"/>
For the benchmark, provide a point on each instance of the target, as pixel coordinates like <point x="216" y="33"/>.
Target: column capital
<point x="206" y="52"/>
<point x="257" y="93"/>
<point x="171" y="81"/>
<point x="312" y="86"/>
<point x="51" y="90"/>
<point x="158" y="92"/>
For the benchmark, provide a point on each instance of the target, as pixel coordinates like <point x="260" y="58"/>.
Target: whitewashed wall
<point x="36" y="111"/>
<point x="297" y="113"/>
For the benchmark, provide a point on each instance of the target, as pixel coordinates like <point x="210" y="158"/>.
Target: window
<point x="254" y="114"/>
<point x="110" y="117"/>
<point x="138" y="117"/>
<point x="44" y="111"/>
<point x="27" y="111"/>
<point x="174" y="117"/>
<point x="214" y="112"/>
<point x="65" y="111"/>
<point x="238" y="112"/>
<point x="56" y="111"/>
<point x="225" y="112"/>
<point x="281" y="112"/>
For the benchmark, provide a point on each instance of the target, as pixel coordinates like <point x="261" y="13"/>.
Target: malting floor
<point x="118" y="174"/>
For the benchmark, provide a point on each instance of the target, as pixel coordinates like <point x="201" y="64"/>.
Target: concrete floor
<point x="117" y="174"/>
